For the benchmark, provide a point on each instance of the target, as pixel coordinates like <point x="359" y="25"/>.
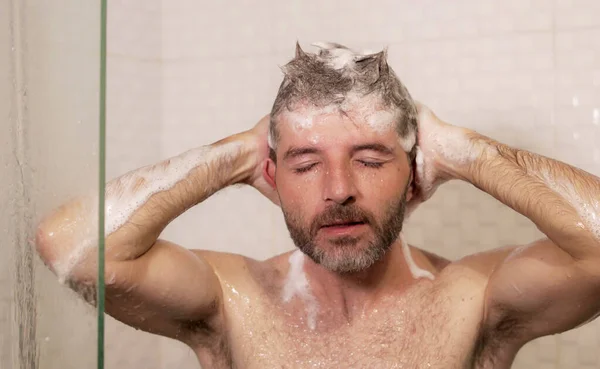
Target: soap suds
<point x="380" y="120"/>
<point x="296" y="284"/>
<point x="589" y="211"/>
<point x="361" y="109"/>
<point x="128" y="193"/>
<point x="455" y="146"/>
<point x="420" y="161"/>
<point x="270" y="140"/>
<point x="415" y="270"/>
<point x="84" y="233"/>
<point x="365" y="109"/>
<point x="338" y="58"/>
<point x="407" y="143"/>
<point x="426" y="178"/>
<point x="304" y="118"/>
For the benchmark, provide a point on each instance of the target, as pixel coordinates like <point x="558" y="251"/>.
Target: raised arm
<point x="551" y="285"/>
<point x="151" y="284"/>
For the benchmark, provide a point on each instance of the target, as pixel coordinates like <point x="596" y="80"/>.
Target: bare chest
<point x="421" y="329"/>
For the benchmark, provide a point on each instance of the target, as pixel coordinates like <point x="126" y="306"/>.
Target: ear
<point x="269" y="173"/>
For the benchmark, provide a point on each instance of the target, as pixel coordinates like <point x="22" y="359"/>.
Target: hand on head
<point x="259" y="135"/>
<point x="427" y="169"/>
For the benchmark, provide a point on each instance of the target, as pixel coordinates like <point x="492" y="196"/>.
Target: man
<point x="345" y="153"/>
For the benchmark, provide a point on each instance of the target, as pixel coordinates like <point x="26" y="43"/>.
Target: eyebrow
<point x="373" y="147"/>
<point x="294" y="152"/>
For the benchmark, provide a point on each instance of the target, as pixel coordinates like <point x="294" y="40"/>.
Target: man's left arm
<point x="551" y="285"/>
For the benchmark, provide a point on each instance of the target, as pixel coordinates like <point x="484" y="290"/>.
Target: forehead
<point x="353" y="119"/>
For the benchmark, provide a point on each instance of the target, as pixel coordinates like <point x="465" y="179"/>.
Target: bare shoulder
<point x="485" y="263"/>
<point x="476" y="268"/>
<point x="246" y="273"/>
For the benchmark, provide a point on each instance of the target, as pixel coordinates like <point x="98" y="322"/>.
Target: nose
<point x="339" y="186"/>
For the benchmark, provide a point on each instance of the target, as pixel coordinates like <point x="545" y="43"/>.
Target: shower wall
<point x="134" y="118"/>
<point x="49" y="124"/>
<point x="187" y="73"/>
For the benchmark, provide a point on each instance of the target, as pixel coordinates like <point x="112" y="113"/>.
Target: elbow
<point x="44" y="245"/>
<point x="63" y="252"/>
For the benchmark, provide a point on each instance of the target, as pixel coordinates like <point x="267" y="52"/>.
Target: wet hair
<point x="327" y="78"/>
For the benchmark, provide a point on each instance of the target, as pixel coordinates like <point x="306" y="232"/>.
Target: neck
<point x="355" y="292"/>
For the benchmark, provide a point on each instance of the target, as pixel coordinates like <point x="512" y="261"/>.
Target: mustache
<point x="337" y="214"/>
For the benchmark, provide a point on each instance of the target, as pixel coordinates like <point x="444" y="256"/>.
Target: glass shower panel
<point x="49" y="153"/>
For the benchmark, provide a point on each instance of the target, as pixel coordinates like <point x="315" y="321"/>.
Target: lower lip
<point x="342" y="229"/>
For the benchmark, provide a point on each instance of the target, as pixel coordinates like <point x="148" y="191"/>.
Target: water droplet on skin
<point x="575" y="101"/>
<point x="596" y="116"/>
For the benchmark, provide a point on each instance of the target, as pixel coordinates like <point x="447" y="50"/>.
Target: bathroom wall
<point x="186" y="73"/>
<point x="133" y="133"/>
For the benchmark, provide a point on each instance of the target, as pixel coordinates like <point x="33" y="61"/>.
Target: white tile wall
<point x="526" y="72"/>
<point x="134" y="124"/>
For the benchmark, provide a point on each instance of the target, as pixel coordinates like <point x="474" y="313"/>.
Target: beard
<point x="347" y="254"/>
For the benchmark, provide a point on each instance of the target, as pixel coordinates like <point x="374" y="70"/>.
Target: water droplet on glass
<point x="575" y="101"/>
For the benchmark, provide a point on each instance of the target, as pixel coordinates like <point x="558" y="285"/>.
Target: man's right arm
<point x="151" y="284"/>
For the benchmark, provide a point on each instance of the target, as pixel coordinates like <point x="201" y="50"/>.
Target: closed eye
<point x="371" y="164"/>
<point x="368" y="164"/>
<point x="305" y="168"/>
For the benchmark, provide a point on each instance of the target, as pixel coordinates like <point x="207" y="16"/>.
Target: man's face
<point x="343" y="183"/>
